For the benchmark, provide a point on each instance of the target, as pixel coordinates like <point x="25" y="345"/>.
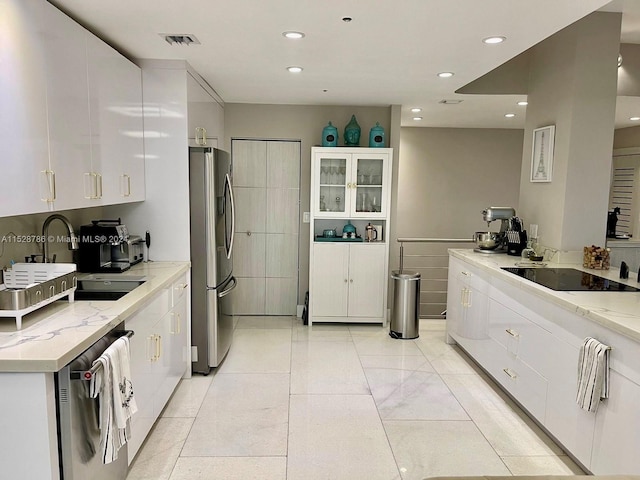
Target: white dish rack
<point x="30" y="286"/>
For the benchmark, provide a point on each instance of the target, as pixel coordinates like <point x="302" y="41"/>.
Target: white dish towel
<point x="112" y="383"/>
<point x="593" y="374"/>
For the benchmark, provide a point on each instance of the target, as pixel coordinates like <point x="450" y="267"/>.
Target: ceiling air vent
<point x="180" y="39"/>
<point x="450" y="102"/>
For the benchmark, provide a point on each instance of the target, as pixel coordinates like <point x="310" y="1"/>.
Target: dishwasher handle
<point x="88" y="374"/>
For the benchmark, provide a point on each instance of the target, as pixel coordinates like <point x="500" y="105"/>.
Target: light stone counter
<point x="617" y="311"/>
<point x="54" y="335"/>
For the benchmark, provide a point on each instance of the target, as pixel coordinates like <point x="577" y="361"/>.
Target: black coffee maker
<point x="96" y="241"/>
<point x="612" y="222"/>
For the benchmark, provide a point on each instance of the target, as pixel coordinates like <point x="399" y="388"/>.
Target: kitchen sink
<point x="106" y="286"/>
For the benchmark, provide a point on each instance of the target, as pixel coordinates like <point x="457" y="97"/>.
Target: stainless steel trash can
<point x="405" y="317"/>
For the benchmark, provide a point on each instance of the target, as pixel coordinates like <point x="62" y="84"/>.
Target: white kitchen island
<point x="527" y="337"/>
<point x="50" y="338"/>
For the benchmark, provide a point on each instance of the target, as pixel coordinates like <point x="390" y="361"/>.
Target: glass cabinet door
<point x="332" y="181"/>
<point x="369" y="179"/>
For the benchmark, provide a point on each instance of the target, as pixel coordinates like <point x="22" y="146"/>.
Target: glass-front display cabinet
<point x="351" y="184"/>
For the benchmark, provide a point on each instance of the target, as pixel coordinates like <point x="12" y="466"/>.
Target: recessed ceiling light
<point x="346" y="19"/>
<point x="416" y="110"/>
<point x="494" y="40"/>
<point x="634" y="119"/>
<point x="417" y="118"/>
<point x="445" y="74"/>
<point x="523" y="103"/>
<point x="509" y="115"/>
<point x="294" y="69"/>
<point x="293" y="35"/>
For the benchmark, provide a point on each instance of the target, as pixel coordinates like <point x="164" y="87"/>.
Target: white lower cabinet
<point x="531" y="347"/>
<point x="159" y="358"/>
<point x="616" y="438"/>
<point x="348" y="282"/>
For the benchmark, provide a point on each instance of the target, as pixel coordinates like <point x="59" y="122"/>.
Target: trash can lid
<point x="404" y="275"/>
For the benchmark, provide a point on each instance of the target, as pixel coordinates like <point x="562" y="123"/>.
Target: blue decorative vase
<point x="376" y="136"/>
<point x="329" y="136"/>
<point x="352" y="133"/>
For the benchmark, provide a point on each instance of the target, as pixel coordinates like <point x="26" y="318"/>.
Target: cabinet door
<point x="366" y="280"/>
<point x="117" y="160"/>
<point x="44" y="109"/>
<point x="370" y="173"/>
<point x="332" y="185"/>
<point x="23" y="116"/>
<point x="179" y="345"/>
<point x="455" y="296"/>
<point x="142" y="375"/>
<point x="615" y="441"/>
<point x="330" y="280"/>
<point x="67" y="94"/>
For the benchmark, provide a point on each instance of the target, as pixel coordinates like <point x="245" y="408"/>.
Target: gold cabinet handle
<point x="201" y="136"/>
<point x="50" y="180"/>
<point x="510" y="373"/>
<point x="513" y="333"/>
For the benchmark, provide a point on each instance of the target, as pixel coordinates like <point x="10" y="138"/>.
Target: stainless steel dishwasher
<point x="78" y="419"/>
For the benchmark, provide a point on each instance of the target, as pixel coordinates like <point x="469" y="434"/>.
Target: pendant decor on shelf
<point x="352" y="133"/>
<point x="329" y="136"/>
<point x="376" y="136"/>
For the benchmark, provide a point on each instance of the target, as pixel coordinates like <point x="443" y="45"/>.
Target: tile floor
<point x="342" y="402"/>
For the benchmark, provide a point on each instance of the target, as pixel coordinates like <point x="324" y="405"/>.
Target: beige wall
<point x="626" y="137"/>
<point x="304" y="123"/>
<point x="447" y="176"/>
<point x="573" y="86"/>
<point x="30" y="227"/>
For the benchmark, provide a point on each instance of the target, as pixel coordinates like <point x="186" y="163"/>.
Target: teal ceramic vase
<point x="352" y="133"/>
<point x="329" y="136"/>
<point x="376" y="136"/>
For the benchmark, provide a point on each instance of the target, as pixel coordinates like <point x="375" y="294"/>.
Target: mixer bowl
<point x="487" y="240"/>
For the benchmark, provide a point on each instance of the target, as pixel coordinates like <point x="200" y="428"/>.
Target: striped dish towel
<point x="593" y="374"/>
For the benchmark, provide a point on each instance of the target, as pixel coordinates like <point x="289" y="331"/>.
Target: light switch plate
<point x="306" y="217"/>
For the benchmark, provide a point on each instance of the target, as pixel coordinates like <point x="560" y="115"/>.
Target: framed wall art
<point x="542" y="154"/>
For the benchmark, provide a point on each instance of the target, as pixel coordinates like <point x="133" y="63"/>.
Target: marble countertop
<point x="618" y="311"/>
<point x="54" y="335"/>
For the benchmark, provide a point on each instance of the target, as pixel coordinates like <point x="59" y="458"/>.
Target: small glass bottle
<point x="528" y="250"/>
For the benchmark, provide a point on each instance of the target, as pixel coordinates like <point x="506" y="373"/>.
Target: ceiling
<point x="388" y="54"/>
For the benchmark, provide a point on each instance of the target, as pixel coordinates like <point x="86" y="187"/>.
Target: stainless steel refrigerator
<point x="212" y="280"/>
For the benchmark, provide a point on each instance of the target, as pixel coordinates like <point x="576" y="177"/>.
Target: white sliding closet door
<point x="266" y="180"/>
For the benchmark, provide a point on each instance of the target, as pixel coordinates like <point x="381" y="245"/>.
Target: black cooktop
<point x="569" y="279"/>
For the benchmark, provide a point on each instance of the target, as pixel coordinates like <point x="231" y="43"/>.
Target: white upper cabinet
<point x="117" y="159"/>
<point x="351" y="182"/>
<point x="71" y="116"/>
<point x="205" y="114"/>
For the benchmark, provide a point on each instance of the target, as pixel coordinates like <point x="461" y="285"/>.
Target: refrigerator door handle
<point x="227" y="291"/>
<point x="227" y="180"/>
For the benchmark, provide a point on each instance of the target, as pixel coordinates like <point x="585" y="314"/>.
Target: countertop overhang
<point x="617" y="311"/>
<point x="56" y="334"/>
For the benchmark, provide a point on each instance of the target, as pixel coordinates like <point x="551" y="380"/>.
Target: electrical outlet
<point x="306" y="217"/>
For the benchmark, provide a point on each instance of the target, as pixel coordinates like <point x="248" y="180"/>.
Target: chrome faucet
<point x="72" y="238"/>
